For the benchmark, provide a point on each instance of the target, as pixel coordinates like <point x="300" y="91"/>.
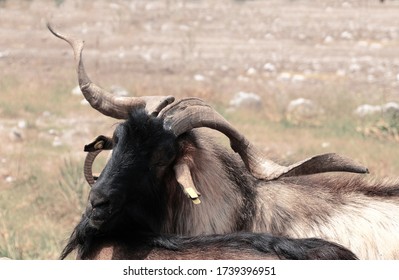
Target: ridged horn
<point x="191" y="113"/>
<point x="100" y="99"/>
<point x="88" y="166"/>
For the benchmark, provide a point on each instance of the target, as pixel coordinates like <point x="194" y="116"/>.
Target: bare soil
<point x="337" y="53"/>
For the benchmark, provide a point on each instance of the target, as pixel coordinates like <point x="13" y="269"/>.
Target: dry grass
<point x="157" y="48"/>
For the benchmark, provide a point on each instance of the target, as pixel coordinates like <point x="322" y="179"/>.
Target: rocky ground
<point x="330" y="56"/>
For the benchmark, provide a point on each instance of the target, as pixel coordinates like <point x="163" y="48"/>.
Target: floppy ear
<point x="100" y="143"/>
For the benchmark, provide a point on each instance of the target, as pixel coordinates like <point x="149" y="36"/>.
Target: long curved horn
<point x="88" y="166"/>
<point x="192" y="113"/>
<point x="100" y="99"/>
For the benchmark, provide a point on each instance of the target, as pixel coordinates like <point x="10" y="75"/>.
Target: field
<point x="337" y="54"/>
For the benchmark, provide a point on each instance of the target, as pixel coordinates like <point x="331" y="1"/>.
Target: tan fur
<point x="214" y="212"/>
<point x="367" y="225"/>
<point x="329" y="206"/>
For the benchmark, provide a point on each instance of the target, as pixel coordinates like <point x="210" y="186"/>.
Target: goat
<point x="128" y="241"/>
<point x="133" y="229"/>
<point x="158" y="150"/>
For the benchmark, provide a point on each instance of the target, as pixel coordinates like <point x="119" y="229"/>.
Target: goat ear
<point x="100" y="143"/>
<point x="183" y="177"/>
<point x="94" y="148"/>
<point x="319" y="164"/>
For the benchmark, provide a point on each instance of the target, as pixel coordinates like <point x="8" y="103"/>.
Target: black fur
<point x="135" y="244"/>
<point x="282" y="247"/>
<point x="130" y="181"/>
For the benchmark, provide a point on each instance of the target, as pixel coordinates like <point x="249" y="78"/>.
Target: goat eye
<point x="162" y="156"/>
<point x="161" y="163"/>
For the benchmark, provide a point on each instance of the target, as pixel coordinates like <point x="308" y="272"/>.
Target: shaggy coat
<point x="128" y="241"/>
<point x="158" y="152"/>
<point x="138" y="186"/>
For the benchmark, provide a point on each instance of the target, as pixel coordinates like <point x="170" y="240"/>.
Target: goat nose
<point x="97" y="200"/>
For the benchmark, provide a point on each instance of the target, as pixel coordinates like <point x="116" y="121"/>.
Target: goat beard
<point x="81" y="238"/>
<point x="85" y="236"/>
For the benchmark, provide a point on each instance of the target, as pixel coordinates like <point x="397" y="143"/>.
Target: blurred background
<point x="298" y="77"/>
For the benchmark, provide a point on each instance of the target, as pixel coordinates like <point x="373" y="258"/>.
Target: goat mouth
<point x="99" y="218"/>
<point x="96" y="223"/>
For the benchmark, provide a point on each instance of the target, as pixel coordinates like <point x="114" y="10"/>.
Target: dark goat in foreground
<point x="130" y="243"/>
<point x="158" y="151"/>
